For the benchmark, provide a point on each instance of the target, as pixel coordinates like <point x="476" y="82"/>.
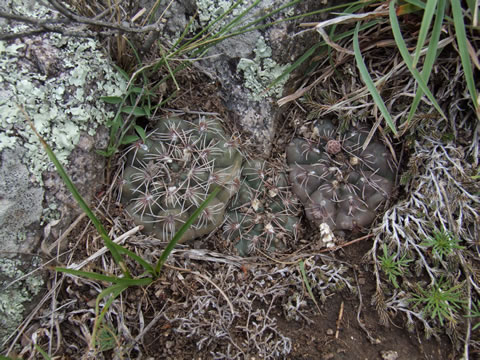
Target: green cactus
<point x="167" y="176"/>
<point x="338" y="182"/>
<point x="264" y="213"/>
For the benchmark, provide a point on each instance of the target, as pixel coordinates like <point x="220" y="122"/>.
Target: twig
<point x="346" y="244"/>
<point x="359" y="310"/>
<point x="84" y="20"/>
<point x="150" y="324"/>
<point x="339" y="320"/>
<point x="60" y="25"/>
<point x="104" y="249"/>
<point x="207" y="279"/>
<point x="469" y="320"/>
<point x="47" y="249"/>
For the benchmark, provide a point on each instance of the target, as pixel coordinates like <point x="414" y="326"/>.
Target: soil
<point x="324" y="336"/>
<point x="319" y="340"/>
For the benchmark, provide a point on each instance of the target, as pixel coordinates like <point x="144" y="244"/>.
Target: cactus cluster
<point x="263" y="213"/>
<point x="339" y="183"/>
<point x="172" y="171"/>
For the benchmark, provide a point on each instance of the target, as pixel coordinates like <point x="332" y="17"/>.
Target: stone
<point x="58" y="81"/>
<point x="245" y="65"/>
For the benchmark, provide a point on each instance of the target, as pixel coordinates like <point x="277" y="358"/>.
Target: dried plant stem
<point x="119" y="240"/>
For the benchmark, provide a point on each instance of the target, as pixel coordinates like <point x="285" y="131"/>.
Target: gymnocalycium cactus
<point x="340" y="184"/>
<point x="171" y="173"/>
<point x="263" y="213"/>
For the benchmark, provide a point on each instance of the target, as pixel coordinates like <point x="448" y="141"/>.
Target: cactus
<point x="167" y="176"/>
<point x="263" y="213"/>
<point x="340" y="184"/>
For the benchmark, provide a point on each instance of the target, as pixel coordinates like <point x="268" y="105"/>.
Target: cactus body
<point x="340" y="184"/>
<point x="170" y="174"/>
<point x="263" y="214"/>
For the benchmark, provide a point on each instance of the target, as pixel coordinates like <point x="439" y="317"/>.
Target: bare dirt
<point x="328" y="338"/>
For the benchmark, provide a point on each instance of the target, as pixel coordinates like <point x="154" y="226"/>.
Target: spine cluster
<point x="264" y="212"/>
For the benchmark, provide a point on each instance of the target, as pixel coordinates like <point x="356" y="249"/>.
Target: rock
<point x="389" y="355"/>
<point x="245" y="65"/>
<point x="58" y="81"/>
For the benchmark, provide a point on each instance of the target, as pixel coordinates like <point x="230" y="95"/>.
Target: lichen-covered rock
<point x="170" y="174"/>
<point x="17" y="295"/>
<point x="58" y="81"/>
<point x="340" y="184"/>
<point x="245" y="65"/>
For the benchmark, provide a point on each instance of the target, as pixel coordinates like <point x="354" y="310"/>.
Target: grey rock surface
<point x="245" y="65"/>
<point x="59" y="82"/>
<point x="20" y="204"/>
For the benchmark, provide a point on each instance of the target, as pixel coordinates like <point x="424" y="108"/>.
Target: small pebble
<point x="389" y="355"/>
<point x="330" y="332"/>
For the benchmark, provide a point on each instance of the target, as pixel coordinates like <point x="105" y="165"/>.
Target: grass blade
<point x="237" y="19"/>
<point x="369" y="82"/>
<point x="42" y="352"/>
<point x="114" y="291"/>
<point x="402" y="48"/>
<point x="164" y="58"/>
<point x="83" y="205"/>
<point x="134" y="110"/>
<point x="417" y="3"/>
<point x="422" y="36"/>
<point x="184" y="228"/>
<point x="430" y="57"/>
<point x="111" y="99"/>
<point x="301" y="265"/>
<point x="101" y="277"/>
<point x="305" y="56"/>
<point x="463" y="50"/>
<point x="147" y="266"/>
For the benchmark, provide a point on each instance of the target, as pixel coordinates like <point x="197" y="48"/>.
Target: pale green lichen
<point x="210" y="10"/>
<point x="261" y="72"/>
<point x="63" y="102"/>
<point x="14" y="295"/>
<point x="58" y="81"/>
